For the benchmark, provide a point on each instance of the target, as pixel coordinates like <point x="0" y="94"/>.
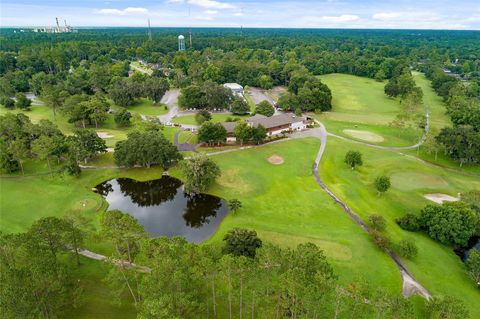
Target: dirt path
<point x="118" y="262"/>
<point x="410" y="285"/>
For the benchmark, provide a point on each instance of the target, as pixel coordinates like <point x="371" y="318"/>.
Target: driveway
<point x="170" y="98"/>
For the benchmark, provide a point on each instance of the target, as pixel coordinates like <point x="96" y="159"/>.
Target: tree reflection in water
<point x="163" y="208"/>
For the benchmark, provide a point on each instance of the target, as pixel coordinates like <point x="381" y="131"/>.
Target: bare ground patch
<point x="364" y="136"/>
<point x="275" y="160"/>
<point x="440" y="198"/>
<point x="104" y="135"/>
<point x="231" y="178"/>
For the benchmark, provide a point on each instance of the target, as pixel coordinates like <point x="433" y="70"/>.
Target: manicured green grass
<point x="436" y="266"/>
<point x="392" y="136"/>
<point x="190" y="119"/>
<point x="359" y="99"/>
<point x="188" y="136"/>
<point x="284" y="205"/>
<point x="438" y="117"/>
<point x="438" y="120"/>
<point x="147" y="107"/>
<point x="25" y="200"/>
<point x="360" y="103"/>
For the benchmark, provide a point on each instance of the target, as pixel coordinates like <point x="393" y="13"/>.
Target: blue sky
<point x="398" y="14"/>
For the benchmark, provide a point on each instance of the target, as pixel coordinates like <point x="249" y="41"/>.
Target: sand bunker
<point x="440" y="198"/>
<point x="275" y="160"/>
<point x="364" y="136"/>
<point x="104" y="135"/>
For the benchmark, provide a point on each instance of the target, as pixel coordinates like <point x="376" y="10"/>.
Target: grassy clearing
<point x="285" y="205"/>
<point x="361" y="104"/>
<point x="147" y="107"/>
<point x="438" y="120"/>
<point x="362" y="97"/>
<point x="54" y="196"/>
<point x="137" y="65"/>
<point x="216" y="117"/>
<point x="411" y="180"/>
<point x="96" y="300"/>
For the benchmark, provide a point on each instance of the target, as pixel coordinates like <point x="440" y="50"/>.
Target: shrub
<point x="377" y="222"/>
<point x="353" y="159"/>
<point x="202" y="116"/>
<point x="407" y="248"/>
<point x="382" y="184"/>
<point x="22" y="101"/>
<point x="122" y="117"/>
<point x="381" y="240"/>
<point x="7" y="102"/>
<point x="452" y="223"/>
<point x="241" y="242"/>
<point x="408" y="222"/>
<point x="265" y="108"/>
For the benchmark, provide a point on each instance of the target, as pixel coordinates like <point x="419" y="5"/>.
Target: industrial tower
<point x="149" y="31"/>
<point x="181" y="43"/>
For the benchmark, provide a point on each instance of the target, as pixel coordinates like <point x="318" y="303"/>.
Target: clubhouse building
<point x="275" y="125"/>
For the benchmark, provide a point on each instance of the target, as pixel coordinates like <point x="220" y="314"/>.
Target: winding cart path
<point x="410" y="285"/>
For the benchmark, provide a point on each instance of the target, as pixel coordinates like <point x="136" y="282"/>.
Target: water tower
<point x="181" y="43"/>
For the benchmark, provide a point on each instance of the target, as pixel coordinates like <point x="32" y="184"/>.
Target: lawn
<point x="216" y="117"/>
<point x="147" y="107"/>
<point x="359" y="99"/>
<point x="285" y="206"/>
<point x="360" y="104"/>
<point x="411" y="180"/>
<point x="96" y="302"/>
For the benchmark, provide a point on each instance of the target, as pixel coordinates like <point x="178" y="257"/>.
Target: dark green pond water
<point x="164" y="209"/>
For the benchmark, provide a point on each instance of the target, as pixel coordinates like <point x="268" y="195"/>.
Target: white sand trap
<point x="364" y="135"/>
<point x="440" y="198"/>
<point x="275" y="160"/>
<point x="104" y="135"/>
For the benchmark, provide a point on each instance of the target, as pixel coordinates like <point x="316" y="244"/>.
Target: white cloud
<point x="129" y="10"/>
<point x="238" y="14"/>
<point x="334" y="19"/>
<point x="384" y="16"/>
<point x="210" y="11"/>
<point x="342" y="18"/>
<point x="211" y="4"/>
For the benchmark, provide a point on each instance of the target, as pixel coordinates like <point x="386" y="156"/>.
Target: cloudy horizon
<point x="363" y="14"/>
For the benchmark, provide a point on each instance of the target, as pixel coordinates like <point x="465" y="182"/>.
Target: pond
<point x="463" y="252"/>
<point x="164" y="209"/>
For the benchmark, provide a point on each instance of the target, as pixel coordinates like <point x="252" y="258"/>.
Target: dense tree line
<point x="461" y="141"/>
<point x="21" y="140"/>
<point x="451" y="223"/>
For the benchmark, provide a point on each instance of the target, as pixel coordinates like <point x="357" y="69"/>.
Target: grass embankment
<point x="360" y="104"/>
<point x="436" y="266"/>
